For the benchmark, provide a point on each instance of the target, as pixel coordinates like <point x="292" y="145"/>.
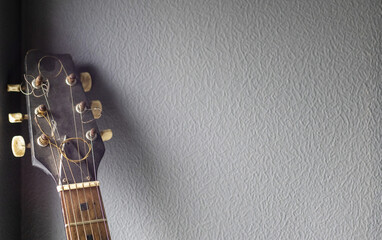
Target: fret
<point x="84" y="214"/>
<point x="86" y="222"/>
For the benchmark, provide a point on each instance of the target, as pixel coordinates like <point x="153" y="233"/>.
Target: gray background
<point x="231" y="119"/>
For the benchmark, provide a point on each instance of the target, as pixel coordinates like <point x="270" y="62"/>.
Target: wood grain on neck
<point x="84" y="214"/>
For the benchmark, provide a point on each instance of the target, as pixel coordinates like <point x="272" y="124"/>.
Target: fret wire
<point x="86" y="222"/>
<point x="98" y="206"/>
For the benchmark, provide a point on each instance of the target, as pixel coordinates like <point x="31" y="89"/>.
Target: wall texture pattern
<point x="232" y="119"/>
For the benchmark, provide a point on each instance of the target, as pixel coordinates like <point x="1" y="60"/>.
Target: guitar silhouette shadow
<point x="130" y="170"/>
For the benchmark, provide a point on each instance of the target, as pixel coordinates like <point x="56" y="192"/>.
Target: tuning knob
<point x="18" y="146"/>
<point x="106" y="135"/>
<point x="86" y="81"/>
<point x="17" y="117"/>
<point x="96" y="107"/>
<point x="13" y="88"/>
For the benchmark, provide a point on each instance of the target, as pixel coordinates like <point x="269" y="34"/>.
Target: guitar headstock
<point x="65" y="140"/>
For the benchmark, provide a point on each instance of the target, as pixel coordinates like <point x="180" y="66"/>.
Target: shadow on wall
<point x="132" y="177"/>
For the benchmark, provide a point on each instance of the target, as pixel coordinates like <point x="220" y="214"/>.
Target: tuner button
<point x="86" y="81"/>
<point x="96" y="107"/>
<point x="18" y="146"/>
<point x="17" y="117"/>
<point x="13" y="87"/>
<point x="106" y="135"/>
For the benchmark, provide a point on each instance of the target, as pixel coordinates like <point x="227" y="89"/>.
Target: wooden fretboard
<point x="83" y="211"/>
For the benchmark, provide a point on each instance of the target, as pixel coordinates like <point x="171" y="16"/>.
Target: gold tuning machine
<point x="86" y="81"/>
<point x="96" y="107"/>
<point x="17" y="117"/>
<point x="106" y="135"/>
<point x="13" y="87"/>
<point x="18" y="146"/>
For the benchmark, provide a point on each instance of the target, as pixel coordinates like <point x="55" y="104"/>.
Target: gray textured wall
<point x="232" y="119"/>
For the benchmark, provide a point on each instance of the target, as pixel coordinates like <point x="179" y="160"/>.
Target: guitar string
<point x="67" y="160"/>
<point x="91" y="192"/>
<point x="69" y="190"/>
<point x="63" y="193"/>
<point x="75" y="128"/>
<point x="78" y="150"/>
<point x="43" y="87"/>
<point x="64" y="200"/>
<point x="82" y="173"/>
<point x="102" y="210"/>
<point x="70" y="193"/>
<point x="99" y="197"/>
<point x="60" y="184"/>
<point x="59" y="151"/>
<point x="55" y="163"/>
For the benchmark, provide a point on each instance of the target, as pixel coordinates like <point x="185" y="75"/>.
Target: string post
<point x="71" y="79"/>
<point x="43" y="140"/>
<point x="41" y="110"/>
<point x="80" y="107"/>
<point x="37" y="82"/>
<point x="91" y="135"/>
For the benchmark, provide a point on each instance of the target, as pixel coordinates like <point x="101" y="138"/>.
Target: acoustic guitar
<point x="65" y="141"/>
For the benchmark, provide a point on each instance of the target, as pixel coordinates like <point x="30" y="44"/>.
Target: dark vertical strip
<point x="10" y="27"/>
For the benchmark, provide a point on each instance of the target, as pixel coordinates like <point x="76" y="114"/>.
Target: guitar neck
<point x="83" y="211"/>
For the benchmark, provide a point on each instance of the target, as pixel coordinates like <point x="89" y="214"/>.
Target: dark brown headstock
<point x="64" y="137"/>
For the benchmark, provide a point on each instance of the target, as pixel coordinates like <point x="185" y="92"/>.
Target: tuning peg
<point x="86" y="81"/>
<point x="13" y="87"/>
<point x="18" y="146"/>
<point x="17" y="117"/>
<point x="96" y="107"/>
<point x="106" y="135"/>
